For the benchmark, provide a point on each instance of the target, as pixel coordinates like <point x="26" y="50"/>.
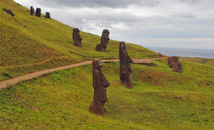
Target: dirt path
<point x="15" y="80"/>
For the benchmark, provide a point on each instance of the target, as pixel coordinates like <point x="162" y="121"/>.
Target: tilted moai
<point x="38" y="12"/>
<point x="100" y="84"/>
<point x="76" y="37"/>
<point x="174" y="63"/>
<point x="125" y="66"/>
<point x="32" y="10"/>
<point x="104" y="41"/>
<point x="47" y="15"/>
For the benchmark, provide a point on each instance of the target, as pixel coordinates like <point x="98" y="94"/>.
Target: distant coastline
<point x="184" y="52"/>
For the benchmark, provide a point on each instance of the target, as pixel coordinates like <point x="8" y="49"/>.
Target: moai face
<point x="76" y="37"/>
<point x="125" y="67"/>
<point x="100" y="84"/>
<point x="105" y="38"/>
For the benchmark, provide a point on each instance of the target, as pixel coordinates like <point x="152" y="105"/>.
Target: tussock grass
<point x="61" y="100"/>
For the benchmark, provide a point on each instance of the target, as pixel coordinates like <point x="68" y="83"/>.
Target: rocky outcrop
<point x="38" y="12"/>
<point x="47" y="15"/>
<point x="175" y="64"/>
<point x="125" y="66"/>
<point x="76" y="37"/>
<point x="32" y="10"/>
<point x="104" y="41"/>
<point x="100" y="84"/>
<point x="9" y="12"/>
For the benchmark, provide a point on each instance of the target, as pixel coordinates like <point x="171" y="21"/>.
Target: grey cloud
<point x="98" y="3"/>
<point x="190" y="1"/>
<point x="182" y="15"/>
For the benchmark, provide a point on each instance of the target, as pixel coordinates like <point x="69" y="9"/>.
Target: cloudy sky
<point x="150" y="23"/>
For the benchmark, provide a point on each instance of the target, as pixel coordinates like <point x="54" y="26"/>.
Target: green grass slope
<point x="160" y="99"/>
<point x="29" y="43"/>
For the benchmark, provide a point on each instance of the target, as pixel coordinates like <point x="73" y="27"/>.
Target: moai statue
<point x="47" y="15"/>
<point x="9" y="12"/>
<point x="32" y="10"/>
<point x="76" y="37"/>
<point x="125" y="67"/>
<point x="100" y="84"/>
<point x="104" y="41"/>
<point x="175" y="64"/>
<point x="38" y="12"/>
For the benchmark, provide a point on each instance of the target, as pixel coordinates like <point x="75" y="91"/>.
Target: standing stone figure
<point x="175" y="64"/>
<point x="100" y="84"/>
<point x="125" y="67"/>
<point x="76" y="37"/>
<point x="38" y="12"/>
<point x="104" y="41"/>
<point x="32" y="10"/>
<point x="47" y="15"/>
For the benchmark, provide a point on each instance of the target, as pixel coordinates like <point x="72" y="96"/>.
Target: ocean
<point x="184" y="52"/>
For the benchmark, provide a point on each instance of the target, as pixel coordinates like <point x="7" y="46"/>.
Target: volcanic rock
<point x="38" y="12"/>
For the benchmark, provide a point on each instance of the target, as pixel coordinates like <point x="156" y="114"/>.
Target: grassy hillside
<point x="29" y="43"/>
<point x="160" y="99"/>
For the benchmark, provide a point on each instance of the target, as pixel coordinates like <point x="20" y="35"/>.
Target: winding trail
<point x="15" y="80"/>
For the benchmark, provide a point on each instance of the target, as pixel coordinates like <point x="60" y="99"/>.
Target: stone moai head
<point x="38" y="12"/>
<point x="125" y="66"/>
<point x="174" y="63"/>
<point x="100" y="84"/>
<point x="76" y="37"/>
<point x="32" y="10"/>
<point x="47" y="15"/>
<point x="105" y="38"/>
<point x="104" y="41"/>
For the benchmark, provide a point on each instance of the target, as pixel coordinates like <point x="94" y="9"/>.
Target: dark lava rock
<point x="47" y="15"/>
<point x="38" y="12"/>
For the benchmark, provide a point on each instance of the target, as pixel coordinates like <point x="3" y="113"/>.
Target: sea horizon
<point x="184" y="52"/>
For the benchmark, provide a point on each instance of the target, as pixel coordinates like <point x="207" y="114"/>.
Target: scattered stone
<point x="125" y="67"/>
<point x="9" y="12"/>
<point x="100" y="84"/>
<point x="76" y="37"/>
<point x="104" y="41"/>
<point x="47" y="15"/>
<point x="175" y="64"/>
<point x="38" y="12"/>
<point x="32" y="10"/>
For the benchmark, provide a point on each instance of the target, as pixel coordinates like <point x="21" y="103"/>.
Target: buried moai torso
<point x="99" y="84"/>
<point x="76" y="37"/>
<point x="47" y="15"/>
<point x="104" y="41"/>
<point x="125" y="66"/>
<point x="38" y="12"/>
<point x="32" y="10"/>
<point x="175" y="64"/>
